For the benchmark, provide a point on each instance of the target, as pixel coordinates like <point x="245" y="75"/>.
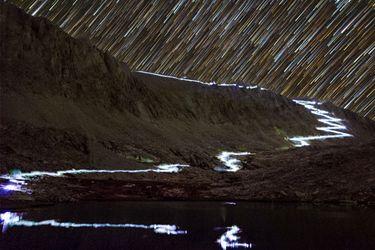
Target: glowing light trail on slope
<point x="230" y="239"/>
<point x="164" y="168"/>
<point x="9" y="219"/>
<point x="14" y="185"/>
<point x="17" y="182"/>
<point x="334" y="126"/>
<point x="230" y="164"/>
<point x="204" y="83"/>
<point x="177" y="78"/>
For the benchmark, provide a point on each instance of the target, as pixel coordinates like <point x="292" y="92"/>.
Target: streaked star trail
<point x="320" y="49"/>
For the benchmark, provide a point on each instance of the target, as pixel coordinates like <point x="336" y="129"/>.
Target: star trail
<point x="320" y="49"/>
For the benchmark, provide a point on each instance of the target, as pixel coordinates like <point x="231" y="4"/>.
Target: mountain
<point x="66" y="104"/>
<point x="311" y="49"/>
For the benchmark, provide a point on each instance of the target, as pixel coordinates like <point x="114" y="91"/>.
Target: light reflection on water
<point x="9" y="219"/>
<point x="187" y="225"/>
<point x="230" y="239"/>
<point x="227" y="240"/>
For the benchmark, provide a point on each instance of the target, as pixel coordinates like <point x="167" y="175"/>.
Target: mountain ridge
<point x="66" y="105"/>
<point x="66" y="83"/>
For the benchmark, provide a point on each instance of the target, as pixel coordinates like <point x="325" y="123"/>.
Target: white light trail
<point x="204" y="83"/>
<point x="177" y="78"/>
<point x="164" y="168"/>
<point x="14" y="185"/>
<point x="227" y="85"/>
<point x="230" y="240"/>
<point x="334" y="126"/>
<point x="17" y="182"/>
<point x="9" y="219"/>
<point x="230" y="164"/>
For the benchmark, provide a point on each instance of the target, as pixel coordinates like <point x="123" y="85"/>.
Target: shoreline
<point x="20" y="204"/>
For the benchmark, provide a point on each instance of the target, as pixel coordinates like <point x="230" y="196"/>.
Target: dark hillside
<point x="73" y="97"/>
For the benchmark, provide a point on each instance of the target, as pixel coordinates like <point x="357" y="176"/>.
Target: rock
<point x="283" y="193"/>
<point x="300" y="195"/>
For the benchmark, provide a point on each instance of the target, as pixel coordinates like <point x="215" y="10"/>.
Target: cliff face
<point x="64" y="103"/>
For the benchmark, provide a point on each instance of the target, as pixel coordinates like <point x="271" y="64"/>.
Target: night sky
<point x="315" y="48"/>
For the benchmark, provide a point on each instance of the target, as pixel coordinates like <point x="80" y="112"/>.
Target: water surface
<point x="188" y="225"/>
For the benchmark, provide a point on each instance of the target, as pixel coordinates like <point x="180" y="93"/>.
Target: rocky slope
<point x="319" y="174"/>
<point x="66" y="104"/>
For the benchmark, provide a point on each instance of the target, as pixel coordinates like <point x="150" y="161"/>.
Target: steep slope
<point x="64" y="103"/>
